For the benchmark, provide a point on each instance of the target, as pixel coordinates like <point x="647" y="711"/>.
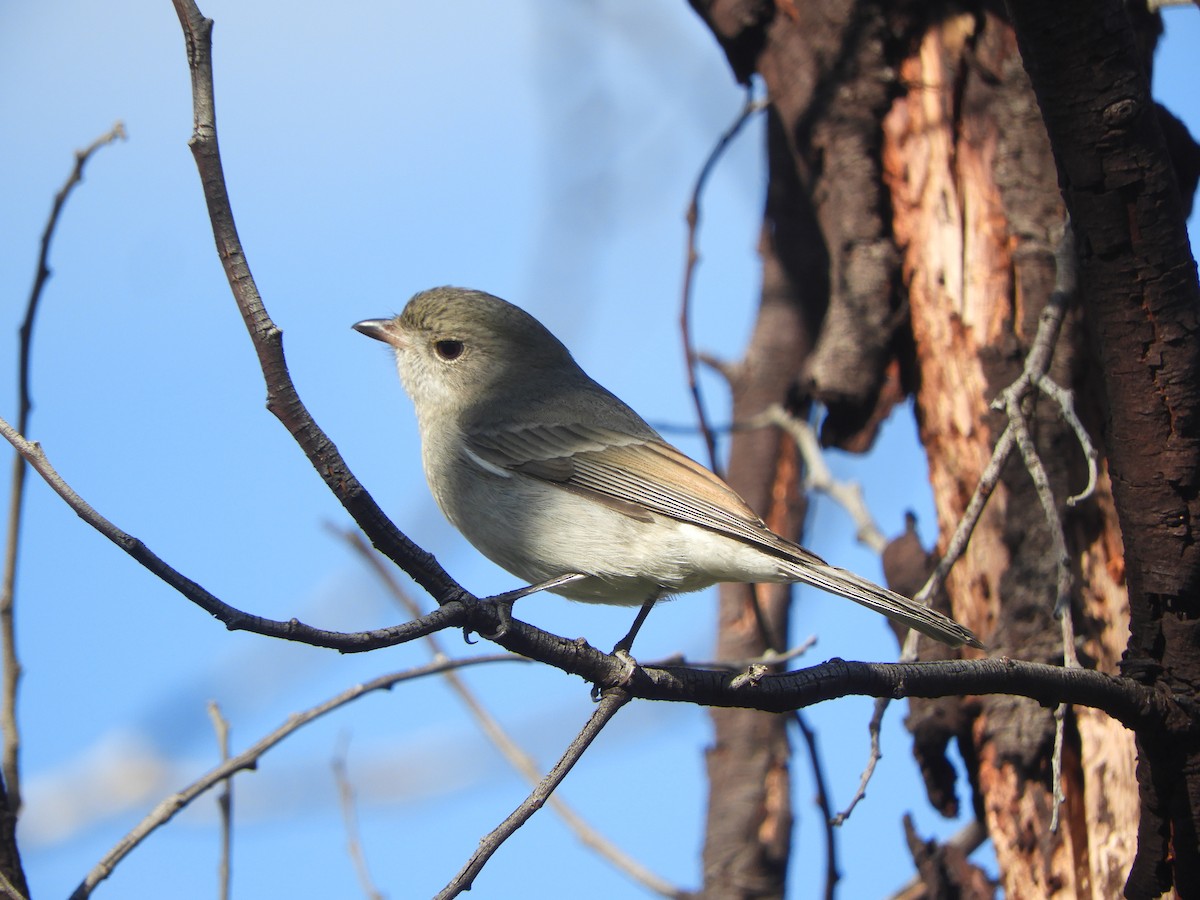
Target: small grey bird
<point x="549" y="474"/>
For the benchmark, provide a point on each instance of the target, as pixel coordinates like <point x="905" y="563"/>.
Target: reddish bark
<point x="921" y="173"/>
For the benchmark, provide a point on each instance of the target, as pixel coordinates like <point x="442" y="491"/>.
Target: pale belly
<point x="538" y="531"/>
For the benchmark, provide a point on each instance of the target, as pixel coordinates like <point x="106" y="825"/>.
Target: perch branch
<point x="507" y="745"/>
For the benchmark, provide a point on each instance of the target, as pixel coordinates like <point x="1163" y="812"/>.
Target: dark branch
<point x="282" y="399"/>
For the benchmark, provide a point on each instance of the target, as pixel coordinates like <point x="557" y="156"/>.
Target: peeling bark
<point x="925" y="183"/>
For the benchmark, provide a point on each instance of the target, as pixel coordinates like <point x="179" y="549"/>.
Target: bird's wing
<point x="635" y="475"/>
<point x="641" y="476"/>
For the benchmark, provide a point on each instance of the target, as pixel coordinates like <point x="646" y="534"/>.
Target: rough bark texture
<point x="976" y="213"/>
<point x="920" y="157"/>
<point x="1142" y="303"/>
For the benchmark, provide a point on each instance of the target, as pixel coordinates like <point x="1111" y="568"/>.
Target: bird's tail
<point x="895" y="606"/>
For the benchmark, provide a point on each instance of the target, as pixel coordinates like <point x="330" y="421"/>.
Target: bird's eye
<point x="449" y="350"/>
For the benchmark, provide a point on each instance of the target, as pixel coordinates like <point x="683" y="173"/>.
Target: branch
<point x="458" y="613"/>
<point x="611" y="701"/>
<point x="8" y="644"/>
<point x="690" y="359"/>
<point x="248" y="759"/>
<point x="1132" y="704"/>
<point x="507" y="745"/>
<point x="224" y="802"/>
<point x="282" y="399"/>
<point x="350" y="817"/>
<point x="874" y="754"/>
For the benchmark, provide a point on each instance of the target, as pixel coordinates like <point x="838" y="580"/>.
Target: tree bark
<point x="919" y="155"/>
<point x="977" y="214"/>
<point x="1142" y="304"/>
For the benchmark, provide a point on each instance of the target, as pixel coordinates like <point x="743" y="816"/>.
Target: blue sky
<point x="539" y="150"/>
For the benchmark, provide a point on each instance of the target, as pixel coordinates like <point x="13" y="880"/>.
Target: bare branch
<point x="832" y="875"/>
<point x="508" y="747"/>
<point x="248" y="759"/>
<point x="224" y="802"/>
<point x="1123" y="699"/>
<point x="10" y="757"/>
<point x="750" y="107"/>
<point x="452" y="614"/>
<point x="1033" y="376"/>
<point x="611" y="700"/>
<point x="819" y="477"/>
<point x="282" y="399"/>
<point x="350" y="817"/>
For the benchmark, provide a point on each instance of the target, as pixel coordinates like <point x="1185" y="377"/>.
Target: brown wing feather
<point x="631" y="474"/>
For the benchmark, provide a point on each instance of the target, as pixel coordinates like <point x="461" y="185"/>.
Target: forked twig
<point x="1033" y="378"/>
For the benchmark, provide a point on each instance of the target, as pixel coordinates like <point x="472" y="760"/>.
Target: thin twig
<point x="819" y="477"/>
<point x="832" y="874"/>
<point x="350" y="818"/>
<point x="224" y="802"/>
<point x="1016" y="434"/>
<point x="611" y="700"/>
<point x="248" y="759"/>
<point x="874" y="729"/>
<point x="749" y="108"/>
<point x="10" y="764"/>
<point x="508" y="747"/>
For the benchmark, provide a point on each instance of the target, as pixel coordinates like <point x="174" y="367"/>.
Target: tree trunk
<point x="914" y="144"/>
<point x="977" y="214"/>
<point x="749" y="826"/>
<point x="1142" y="304"/>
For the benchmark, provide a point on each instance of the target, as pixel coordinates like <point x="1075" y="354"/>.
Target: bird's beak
<point x="381" y="330"/>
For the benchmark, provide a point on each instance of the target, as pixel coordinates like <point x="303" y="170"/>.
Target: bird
<point x="548" y="474"/>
